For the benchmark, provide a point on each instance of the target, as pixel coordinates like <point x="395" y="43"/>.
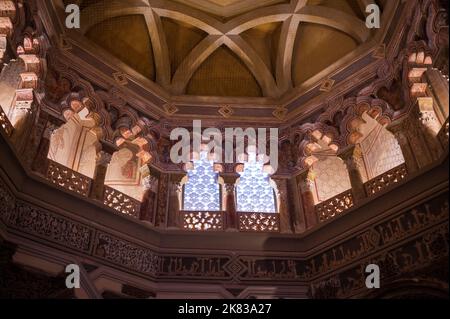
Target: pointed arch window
<point x="254" y="191"/>
<point x="202" y="190"/>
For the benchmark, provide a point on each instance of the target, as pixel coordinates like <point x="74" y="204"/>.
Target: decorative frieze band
<point x="422" y="221"/>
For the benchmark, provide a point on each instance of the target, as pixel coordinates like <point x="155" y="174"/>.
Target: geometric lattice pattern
<point x="201" y="192"/>
<point x="68" y="179"/>
<point x="202" y="220"/>
<point x="386" y="180"/>
<point x="258" y="222"/>
<point x="331" y="178"/>
<point x="254" y="192"/>
<point x="121" y="202"/>
<point x="334" y="206"/>
<point x="384" y="154"/>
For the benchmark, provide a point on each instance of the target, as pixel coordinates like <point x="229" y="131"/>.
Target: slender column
<point x="3" y="47"/>
<point x="163" y="201"/>
<point x="40" y="162"/>
<point x="22" y="123"/>
<point x="8" y="13"/>
<point x="150" y="185"/>
<point x="231" y="216"/>
<point x="402" y="138"/>
<point x="417" y="139"/>
<point x="37" y="141"/>
<point x="102" y="161"/>
<point x="423" y="145"/>
<point x="350" y="156"/>
<point x="175" y="190"/>
<point x="438" y="89"/>
<point x="296" y="208"/>
<point x="430" y="126"/>
<point x="306" y="185"/>
<point x="283" y="211"/>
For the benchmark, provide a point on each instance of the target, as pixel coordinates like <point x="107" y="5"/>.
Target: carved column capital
<point x="229" y="182"/>
<point x="52" y="124"/>
<point x="229" y="188"/>
<point x="307" y="181"/>
<point x="104" y="155"/>
<point x="50" y="128"/>
<point x="281" y="186"/>
<point x="176" y="187"/>
<point x="103" y="158"/>
<point x="150" y="183"/>
<point x="150" y="178"/>
<point x="351" y="155"/>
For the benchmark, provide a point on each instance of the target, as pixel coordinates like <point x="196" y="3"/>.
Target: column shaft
<point x="350" y="157"/>
<point x="283" y="210"/>
<point x="231" y="218"/>
<point x="403" y="141"/>
<point x="150" y="184"/>
<point x="307" y="187"/>
<point x="102" y="161"/>
<point x="40" y="162"/>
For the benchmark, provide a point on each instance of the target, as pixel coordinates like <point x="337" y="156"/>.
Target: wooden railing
<point x="202" y="221"/>
<point x="259" y="222"/>
<point x="5" y="123"/>
<point x="334" y="206"/>
<point x="386" y="180"/>
<point x="69" y="179"/>
<point x="121" y="202"/>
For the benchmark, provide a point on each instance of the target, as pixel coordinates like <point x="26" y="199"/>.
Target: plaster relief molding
<point x="120" y="78"/>
<point x="170" y="109"/>
<point x="103" y="158"/>
<point x="226" y="111"/>
<point x="280" y="112"/>
<point x="327" y="85"/>
<point x="380" y="52"/>
<point x="64" y="43"/>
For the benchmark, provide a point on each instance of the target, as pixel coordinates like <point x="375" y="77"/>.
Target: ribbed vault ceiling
<point x="252" y="48"/>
